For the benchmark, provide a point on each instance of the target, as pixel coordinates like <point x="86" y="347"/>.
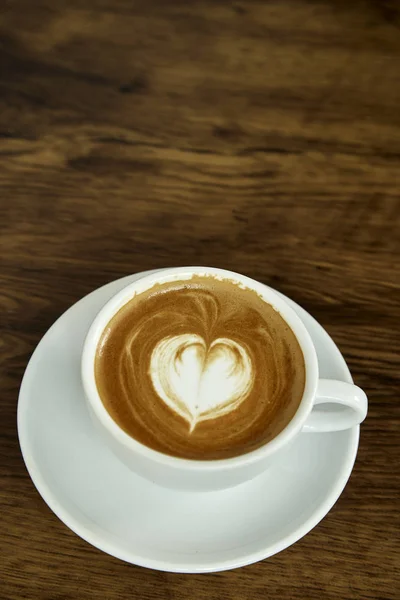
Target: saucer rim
<point x="96" y="540"/>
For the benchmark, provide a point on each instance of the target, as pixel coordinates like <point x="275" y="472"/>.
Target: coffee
<point x="201" y="369"/>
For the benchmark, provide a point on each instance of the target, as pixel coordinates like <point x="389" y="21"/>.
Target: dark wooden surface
<point x="260" y="136"/>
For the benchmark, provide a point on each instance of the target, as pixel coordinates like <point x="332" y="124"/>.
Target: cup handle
<point x="337" y="406"/>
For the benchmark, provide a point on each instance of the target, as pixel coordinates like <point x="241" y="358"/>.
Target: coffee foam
<point x="199" y="382"/>
<point x="200" y="368"/>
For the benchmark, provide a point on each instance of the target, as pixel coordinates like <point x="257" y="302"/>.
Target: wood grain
<point x="260" y="136"/>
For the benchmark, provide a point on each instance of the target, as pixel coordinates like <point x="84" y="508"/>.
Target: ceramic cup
<point x="326" y="405"/>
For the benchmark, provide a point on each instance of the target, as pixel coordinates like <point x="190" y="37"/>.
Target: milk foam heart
<point x="197" y="382"/>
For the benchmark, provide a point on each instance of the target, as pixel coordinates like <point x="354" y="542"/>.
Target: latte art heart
<point x="197" y="382"/>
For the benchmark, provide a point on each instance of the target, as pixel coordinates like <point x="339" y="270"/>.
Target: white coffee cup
<point x="326" y="405"/>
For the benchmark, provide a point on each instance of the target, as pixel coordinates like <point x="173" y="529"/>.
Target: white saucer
<point x="130" y="518"/>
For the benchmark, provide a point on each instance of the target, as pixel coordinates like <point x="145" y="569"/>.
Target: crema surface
<point x="200" y="369"/>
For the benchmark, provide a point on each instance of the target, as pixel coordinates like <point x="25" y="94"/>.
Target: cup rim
<point x="178" y="273"/>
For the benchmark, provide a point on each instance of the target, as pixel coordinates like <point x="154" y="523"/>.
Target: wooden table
<point x="260" y="136"/>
